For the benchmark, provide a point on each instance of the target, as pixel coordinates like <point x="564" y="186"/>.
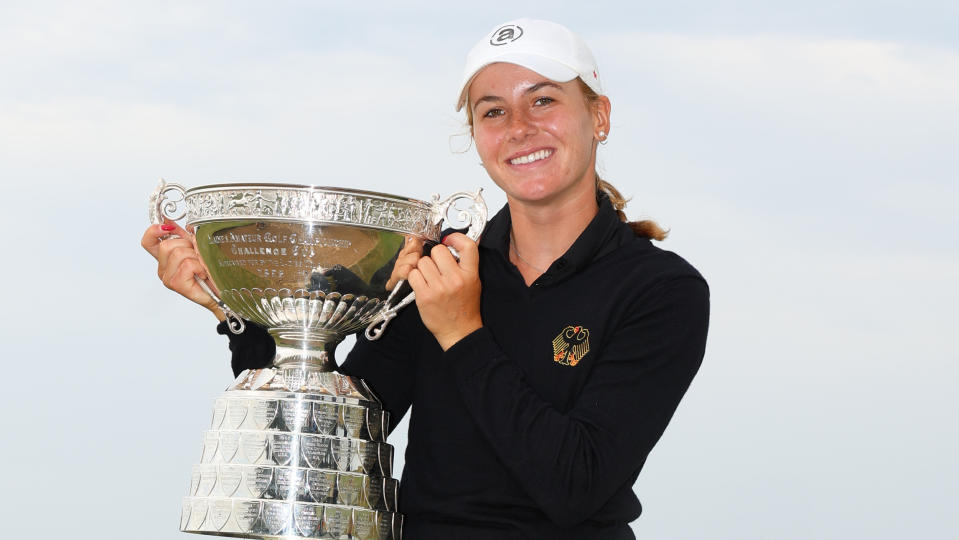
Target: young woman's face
<point x="536" y="137"/>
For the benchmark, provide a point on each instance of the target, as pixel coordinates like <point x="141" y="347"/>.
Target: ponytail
<point x="645" y="228"/>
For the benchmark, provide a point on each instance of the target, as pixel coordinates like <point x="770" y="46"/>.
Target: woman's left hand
<point x="447" y="291"/>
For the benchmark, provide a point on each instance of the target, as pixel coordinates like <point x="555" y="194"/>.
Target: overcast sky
<point x="803" y="155"/>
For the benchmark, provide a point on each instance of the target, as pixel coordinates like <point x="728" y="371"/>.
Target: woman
<point x="546" y="362"/>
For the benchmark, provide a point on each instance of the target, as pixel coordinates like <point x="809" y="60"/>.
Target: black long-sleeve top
<point x="538" y="424"/>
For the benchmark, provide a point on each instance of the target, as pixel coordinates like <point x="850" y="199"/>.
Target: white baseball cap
<point x="548" y="48"/>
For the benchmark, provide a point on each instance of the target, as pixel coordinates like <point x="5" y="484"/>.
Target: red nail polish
<point x="443" y="241"/>
<point x="167" y="227"/>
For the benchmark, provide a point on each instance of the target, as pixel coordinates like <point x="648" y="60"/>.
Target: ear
<point x="600" y="112"/>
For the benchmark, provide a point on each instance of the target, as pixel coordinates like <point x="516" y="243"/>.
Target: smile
<point x="529" y="158"/>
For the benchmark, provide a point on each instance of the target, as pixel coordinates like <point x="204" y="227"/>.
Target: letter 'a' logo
<point x="506" y="34"/>
<point x="571" y="345"/>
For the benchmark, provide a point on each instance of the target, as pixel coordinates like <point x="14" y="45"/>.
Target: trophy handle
<point x="473" y="217"/>
<point x="167" y="203"/>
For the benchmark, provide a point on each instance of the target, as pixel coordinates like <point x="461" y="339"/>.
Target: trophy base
<point x="283" y="520"/>
<point x="295" y="452"/>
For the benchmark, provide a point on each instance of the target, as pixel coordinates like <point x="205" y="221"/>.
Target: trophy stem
<point x="311" y="349"/>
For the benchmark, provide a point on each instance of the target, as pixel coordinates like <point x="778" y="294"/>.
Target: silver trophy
<point x="297" y="450"/>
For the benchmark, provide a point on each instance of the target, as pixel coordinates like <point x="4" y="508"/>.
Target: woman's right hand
<point x="177" y="263"/>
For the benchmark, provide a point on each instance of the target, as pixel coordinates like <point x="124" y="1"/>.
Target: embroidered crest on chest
<point x="571" y="345"/>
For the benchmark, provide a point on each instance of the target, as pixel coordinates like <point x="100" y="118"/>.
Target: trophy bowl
<point x="296" y="450"/>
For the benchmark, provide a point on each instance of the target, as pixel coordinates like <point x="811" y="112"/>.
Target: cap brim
<point x="547" y="67"/>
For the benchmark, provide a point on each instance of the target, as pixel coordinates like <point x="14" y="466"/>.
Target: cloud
<point x="779" y="66"/>
<point x="332" y="109"/>
<point x="809" y="136"/>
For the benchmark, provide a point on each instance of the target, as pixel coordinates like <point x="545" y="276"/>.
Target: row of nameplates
<point x="294" y="484"/>
<point x="298" y="450"/>
<point x="303" y="416"/>
<point x="255" y="518"/>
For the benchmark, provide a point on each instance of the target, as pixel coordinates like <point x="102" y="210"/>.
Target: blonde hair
<point x="644" y="228"/>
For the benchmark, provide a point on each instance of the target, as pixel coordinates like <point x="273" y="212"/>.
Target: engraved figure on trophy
<point x="296" y="449"/>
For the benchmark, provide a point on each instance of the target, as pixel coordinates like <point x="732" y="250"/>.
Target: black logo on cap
<point x="506" y="34"/>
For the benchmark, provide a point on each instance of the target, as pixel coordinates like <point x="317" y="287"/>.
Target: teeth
<point x="529" y="158"/>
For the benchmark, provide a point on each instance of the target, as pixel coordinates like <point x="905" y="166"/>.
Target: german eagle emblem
<point x="571" y="345"/>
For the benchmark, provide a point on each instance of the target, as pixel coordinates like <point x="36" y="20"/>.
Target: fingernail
<point x="443" y="241"/>
<point x="167" y="227"/>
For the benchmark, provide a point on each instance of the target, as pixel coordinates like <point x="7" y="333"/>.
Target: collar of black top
<point x="603" y="234"/>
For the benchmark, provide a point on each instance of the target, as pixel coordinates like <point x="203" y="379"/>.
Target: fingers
<point x="467" y="249"/>
<point x="178" y="262"/>
<point x="179" y="276"/>
<point x="416" y="281"/>
<point x="413" y="244"/>
<point x="448" y="291"/>
<point x="441" y="270"/>
<point x="406" y="261"/>
<point x="152" y="237"/>
<point x="172" y="251"/>
<point x="156" y="234"/>
<point x="178" y="259"/>
<point x="430" y="273"/>
<point x="443" y="259"/>
<point x="177" y="230"/>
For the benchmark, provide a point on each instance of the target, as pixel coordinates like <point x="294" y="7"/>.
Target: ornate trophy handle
<point x="163" y="206"/>
<point x="473" y="216"/>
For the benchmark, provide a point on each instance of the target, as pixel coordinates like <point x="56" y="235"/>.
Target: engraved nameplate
<point x="353" y="420"/>
<point x="236" y="410"/>
<point x="291" y="484"/>
<point x="341" y="454"/>
<point x="322" y="485"/>
<point x="264" y="412"/>
<point x="230" y="478"/>
<point x="207" y="480"/>
<point x="364" y="525"/>
<point x="219" y="412"/>
<point x="281" y="448"/>
<point x="367" y="453"/>
<point x="247" y="513"/>
<point x="307" y="518"/>
<point x="374" y="493"/>
<point x="296" y="414"/>
<point x="325" y="417"/>
<point x="349" y="490"/>
<point x="317" y="452"/>
<point x="258" y="481"/>
<point x="220" y="513"/>
<point x="276" y="516"/>
<point x="197" y="514"/>
<point x="194" y="479"/>
<point x="229" y="443"/>
<point x="384" y="525"/>
<point x="210" y="442"/>
<point x="253" y="446"/>
<point x="185" y="513"/>
<point x="374" y="424"/>
<point x="337" y="521"/>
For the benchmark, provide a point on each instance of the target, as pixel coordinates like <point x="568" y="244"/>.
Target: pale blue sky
<point x="802" y="154"/>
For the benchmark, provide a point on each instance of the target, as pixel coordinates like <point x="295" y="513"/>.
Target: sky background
<point x="802" y="154"/>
